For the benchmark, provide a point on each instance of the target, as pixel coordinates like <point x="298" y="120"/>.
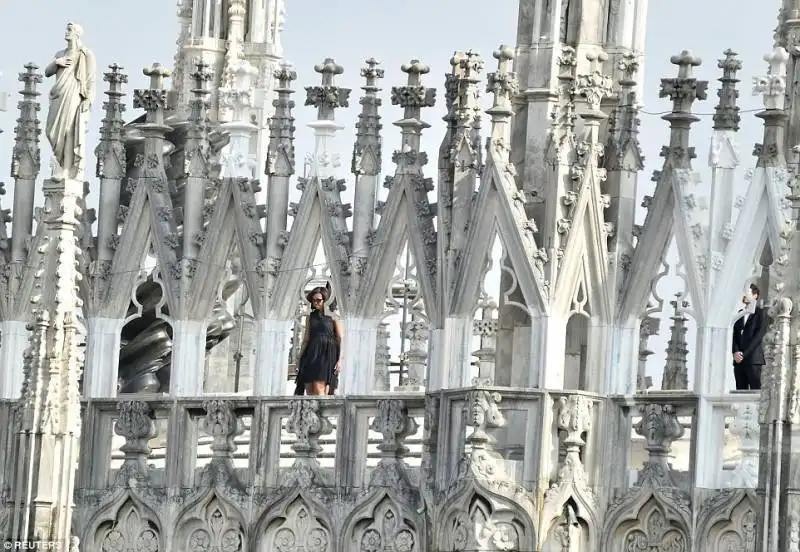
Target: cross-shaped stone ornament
<point x="503" y="82"/>
<point x="684" y="89"/>
<point x="772" y="87"/>
<point x="415" y="69"/>
<point x="157" y="73"/>
<point x="328" y="69"/>
<point x="686" y="63"/>
<point x="327" y="97"/>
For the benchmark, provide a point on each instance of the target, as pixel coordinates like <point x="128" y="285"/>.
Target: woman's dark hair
<point x="755" y="291"/>
<point x="318" y="290"/>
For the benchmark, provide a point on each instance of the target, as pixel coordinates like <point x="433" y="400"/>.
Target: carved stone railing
<point x="481" y="468"/>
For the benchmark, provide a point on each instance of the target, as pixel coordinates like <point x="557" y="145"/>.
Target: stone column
<point x="25" y="167"/>
<point x="50" y="426"/>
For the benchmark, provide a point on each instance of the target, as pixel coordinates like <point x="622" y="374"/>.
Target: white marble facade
<point x="499" y="300"/>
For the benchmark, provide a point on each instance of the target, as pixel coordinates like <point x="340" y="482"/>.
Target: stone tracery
<point x="180" y="240"/>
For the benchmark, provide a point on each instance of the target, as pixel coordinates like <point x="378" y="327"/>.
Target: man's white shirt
<point x="748" y="312"/>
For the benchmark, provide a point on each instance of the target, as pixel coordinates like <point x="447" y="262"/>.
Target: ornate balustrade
<point x="482" y="464"/>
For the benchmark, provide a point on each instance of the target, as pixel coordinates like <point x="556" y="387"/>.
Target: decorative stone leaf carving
<point x="656" y="535"/>
<point x="222" y="424"/>
<point x="394" y="423"/>
<point x="386" y="531"/>
<point x="135" y="423"/>
<point x="573" y="420"/>
<point x="219" y="534"/>
<point x="485" y="414"/>
<point x="746" y="429"/>
<point x="308" y="424"/>
<point x="129" y="532"/>
<point x="298" y="531"/>
<point x="660" y="427"/>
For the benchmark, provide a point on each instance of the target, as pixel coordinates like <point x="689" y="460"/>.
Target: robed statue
<point x="70" y="102"/>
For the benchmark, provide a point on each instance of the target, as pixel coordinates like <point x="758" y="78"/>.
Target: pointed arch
<point x="651" y="248"/>
<point x="729" y="515"/>
<point x="585" y="259"/>
<point x="495" y="218"/>
<point x="760" y="221"/>
<point x="584" y="508"/>
<point x="131" y="249"/>
<point x="210" y="519"/>
<point x="293" y="518"/>
<point x="298" y="255"/>
<point x="215" y="250"/>
<point x="394" y="231"/>
<point x="124" y="519"/>
<point x="638" y="511"/>
<point x="473" y="516"/>
<point x="382" y="517"/>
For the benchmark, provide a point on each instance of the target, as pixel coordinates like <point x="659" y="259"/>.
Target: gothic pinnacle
<point x="726" y="116"/>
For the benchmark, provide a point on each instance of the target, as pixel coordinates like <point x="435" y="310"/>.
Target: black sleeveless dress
<point x="318" y="361"/>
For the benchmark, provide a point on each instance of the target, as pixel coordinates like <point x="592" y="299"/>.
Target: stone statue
<point x="70" y="102"/>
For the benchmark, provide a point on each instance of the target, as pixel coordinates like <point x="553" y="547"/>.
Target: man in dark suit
<point x="748" y="335"/>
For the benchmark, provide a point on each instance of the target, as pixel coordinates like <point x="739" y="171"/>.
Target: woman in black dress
<point x="319" y="366"/>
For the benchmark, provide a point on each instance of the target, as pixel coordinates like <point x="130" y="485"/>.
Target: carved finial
<point x="773" y="85"/>
<point x="368" y="127"/>
<point x="469" y="65"/>
<point x="686" y="63"/>
<point x="684" y="89"/>
<point x="660" y="427"/>
<point x="415" y="69"/>
<point x="153" y="99"/>
<point x="237" y="9"/>
<point x="280" y="154"/>
<point x="30" y="78"/>
<point x="202" y="75"/>
<point x="114" y="75"/>
<point x="726" y="116"/>
<point x="502" y="83"/>
<point x="595" y="86"/>
<point x="285" y="75"/>
<point x="484" y="414"/>
<point x="221" y="424"/>
<point x="328" y="69"/>
<point x="414" y="95"/>
<point x="371" y="73"/>
<point x="110" y="152"/>
<point x="676" y="374"/>
<point x="25" y="159"/>
<point x="157" y="73"/>
<point x="629" y="65"/>
<point x="327" y="97"/>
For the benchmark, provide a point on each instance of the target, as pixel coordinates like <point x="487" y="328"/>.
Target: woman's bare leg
<point x="316" y="388"/>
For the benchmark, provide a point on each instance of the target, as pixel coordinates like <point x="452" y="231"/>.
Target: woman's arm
<point x="306" y="335"/>
<point x="340" y="334"/>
